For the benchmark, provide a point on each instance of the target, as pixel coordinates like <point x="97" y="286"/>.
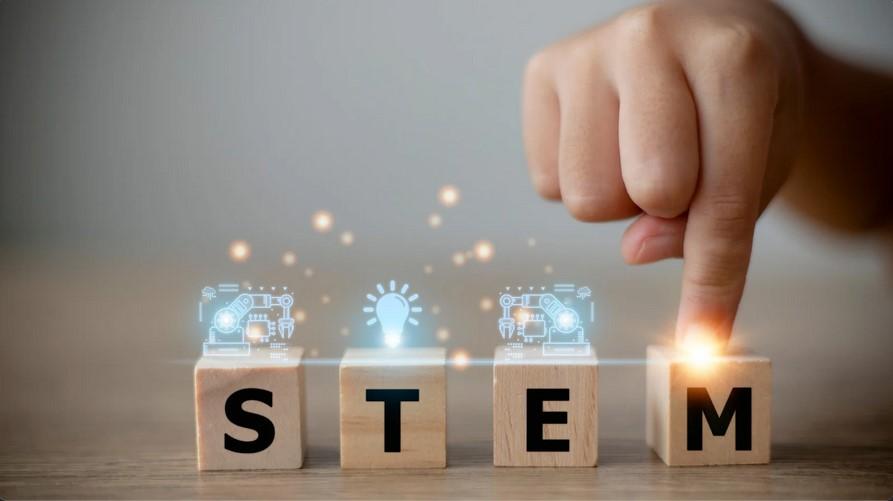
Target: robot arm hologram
<point x="563" y="318"/>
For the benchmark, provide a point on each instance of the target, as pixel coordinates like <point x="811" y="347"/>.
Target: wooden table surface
<point x="97" y="396"/>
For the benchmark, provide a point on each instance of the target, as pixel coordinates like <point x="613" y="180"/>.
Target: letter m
<point x="738" y="405"/>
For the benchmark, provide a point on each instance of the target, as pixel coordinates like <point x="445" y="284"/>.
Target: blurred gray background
<point x="138" y="139"/>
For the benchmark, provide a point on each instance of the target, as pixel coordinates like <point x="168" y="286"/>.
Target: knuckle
<point x="719" y="277"/>
<point x="639" y="27"/>
<point x="578" y="59"/>
<point x="538" y="66"/>
<point x="735" y="49"/>
<point x="662" y="195"/>
<point x="731" y="220"/>
<point x="584" y="208"/>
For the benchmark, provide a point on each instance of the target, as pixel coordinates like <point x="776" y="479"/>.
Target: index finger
<point x="736" y="101"/>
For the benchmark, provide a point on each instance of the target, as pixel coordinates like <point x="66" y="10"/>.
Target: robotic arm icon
<point x="230" y="329"/>
<point x="558" y="327"/>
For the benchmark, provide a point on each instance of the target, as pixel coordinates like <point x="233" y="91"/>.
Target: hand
<point x="685" y="112"/>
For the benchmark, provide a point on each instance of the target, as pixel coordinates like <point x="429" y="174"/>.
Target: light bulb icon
<point x="392" y="311"/>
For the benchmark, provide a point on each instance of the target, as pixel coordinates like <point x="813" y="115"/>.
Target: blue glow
<point x="539" y="317"/>
<point x="244" y="320"/>
<point x="392" y="311"/>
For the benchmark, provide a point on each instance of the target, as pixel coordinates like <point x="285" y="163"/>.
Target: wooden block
<point x="249" y="412"/>
<point x="393" y="408"/>
<point x="708" y="412"/>
<point x="545" y="409"/>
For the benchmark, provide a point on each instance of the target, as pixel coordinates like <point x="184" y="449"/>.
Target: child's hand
<point x="687" y="112"/>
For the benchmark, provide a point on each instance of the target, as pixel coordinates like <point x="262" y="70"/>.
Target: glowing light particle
<point x="322" y="221"/>
<point x="531" y="242"/>
<point x="435" y="309"/>
<point x="314" y="352"/>
<point x="434" y="220"/>
<point x="429" y="269"/>
<point x="486" y="304"/>
<point x="443" y="334"/>
<point x="458" y="259"/>
<point x="699" y="346"/>
<point x="460" y="360"/>
<point x="347" y="239"/>
<point x="289" y="258"/>
<point x="239" y="251"/>
<point x="308" y="272"/>
<point x="548" y="269"/>
<point x="448" y="195"/>
<point x="345" y="331"/>
<point x="300" y="316"/>
<point x="325" y="299"/>
<point x="483" y="251"/>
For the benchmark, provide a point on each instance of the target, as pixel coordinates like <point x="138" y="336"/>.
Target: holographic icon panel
<point x="392" y="310"/>
<point x="551" y="319"/>
<point x="243" y="319"/>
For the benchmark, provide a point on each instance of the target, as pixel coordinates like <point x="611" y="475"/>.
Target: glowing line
<point x="368" y="309"/>
<point x="371" y="321"/>
<point x="380" y="288"/>
<point x="371" y="298"/>
<point x="199" y="311"/>
<point x="413" y="321"/>
<point x="413" y="297"/>
<point x="476" y="362"/>
<point x="592" y="311"/>
<point x="404" y="288"/>
<point x="393" y="285"/>
<point x="416" y="309"/>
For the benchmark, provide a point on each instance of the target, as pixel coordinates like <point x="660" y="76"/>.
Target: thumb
<point x="650" y="238"/>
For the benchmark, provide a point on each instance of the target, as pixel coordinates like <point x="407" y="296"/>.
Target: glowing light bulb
<point x="392" y="311"/>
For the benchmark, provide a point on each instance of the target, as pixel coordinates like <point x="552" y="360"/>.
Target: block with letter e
<point x="708" y="411"/>
<point x="545" y="408"/>
<point x="393" y="408"/>
<point x="249" y="411"/>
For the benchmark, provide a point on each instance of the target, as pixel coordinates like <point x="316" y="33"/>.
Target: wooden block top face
<point x="533" y="355"/>
<point x="394" y="356"/>
<point x="249" y="385"/>
<point x="516" y="382"/>
<point x="257" y="358"/>
<point x="367" y="378"/>
<point x="715" y="396"/>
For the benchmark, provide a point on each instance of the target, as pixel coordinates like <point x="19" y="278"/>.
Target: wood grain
<point x="216" y="378"/>
<point x="670" y="375"/>
<point x="422" y="423"/>
<point x="513" y="377"/>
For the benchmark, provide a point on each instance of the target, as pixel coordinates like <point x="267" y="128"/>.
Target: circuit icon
<point x="546" y="318"/>
<point x="244" y="319"/>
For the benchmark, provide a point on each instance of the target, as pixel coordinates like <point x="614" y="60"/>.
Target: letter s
<point x="240" y="417"/>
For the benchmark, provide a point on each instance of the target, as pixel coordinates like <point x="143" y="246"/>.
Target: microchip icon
<point x="257" y="329"/>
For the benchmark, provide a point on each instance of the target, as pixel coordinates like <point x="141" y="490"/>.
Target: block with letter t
<point x="393" y="408"/>
<point x="545" y="408"/>
<point x="714" y="410"/>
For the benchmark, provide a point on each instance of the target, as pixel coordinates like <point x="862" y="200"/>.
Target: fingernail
<point x="657" y="247"/>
